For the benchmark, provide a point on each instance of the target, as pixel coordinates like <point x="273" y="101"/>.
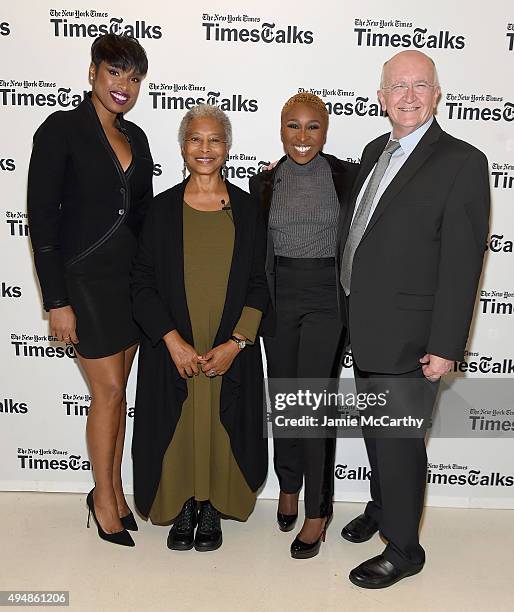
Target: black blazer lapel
<point x="367" y="164"/>
<point x="417" y="158"/>
<point x="175" y="249"/>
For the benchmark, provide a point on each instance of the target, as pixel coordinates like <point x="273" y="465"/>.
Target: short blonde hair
<point x="306" y="98"/>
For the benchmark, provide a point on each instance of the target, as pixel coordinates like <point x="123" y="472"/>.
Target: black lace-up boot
<point x="182" y="533"/>
<point x="208" y="535"/>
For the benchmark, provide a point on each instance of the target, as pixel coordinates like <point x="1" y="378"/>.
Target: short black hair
<point x="123" y="52"/>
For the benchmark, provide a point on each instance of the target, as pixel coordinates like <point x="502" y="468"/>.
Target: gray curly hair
<point x="205" y="110"/>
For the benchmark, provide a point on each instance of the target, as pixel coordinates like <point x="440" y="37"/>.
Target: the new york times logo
<point x="474" y="363"/>
<point x="102" y="24"/>
<point x="16" y="222"/>
<point x="468" y="107"/>
<point x="490" y="419"/>
<point x="369" y="33"/>
<point x="160" y="93"/>
<point x="35" y="346"/>
<point x="9" y="406"/>
<point x="7" y="164"/>
<point x="445" y="474"/>
<point x="9" y="291"/>
<point x="241" y="31"/>
<point x="5" y="28"/>
<point x="51" y="459"/>
<point x="245" y="166"/>
<point x="497" y="243"/>
<point x="78" y="405"/>
<point x="502" y="176"/>
<point x="358" y="106"/>
<point x="510" y="36"/>
<point x="496" y="302"/>
<point x="45" y="94"/>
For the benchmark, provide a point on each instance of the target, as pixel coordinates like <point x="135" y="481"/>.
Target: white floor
<point x="45" y="546"/>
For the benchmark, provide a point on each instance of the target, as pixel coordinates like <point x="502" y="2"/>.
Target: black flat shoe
<point x="208" y="535"/>
<point x="129" y="522"/>
<point x="123" y="538"/>
<point x="361" y="529"/>
<point x="182" y="533"/>
<point x="286" y="522"/>
<point x="379" y="573"/>
<point x="302" y="550"/>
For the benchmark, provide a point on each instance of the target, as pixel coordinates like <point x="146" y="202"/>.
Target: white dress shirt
<point x="399" y="157"/>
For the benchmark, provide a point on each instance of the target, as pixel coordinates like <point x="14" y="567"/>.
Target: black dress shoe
<point x="208" y="535"/>
<point x="379" y="573"/>
<point x="123" y="538"/>
<point x="361" y="529"/>
<point x="302" y="550"/>
<point x="182" y="533"/>
<point x="129" y="522"/>
<point x="286" y="522"/>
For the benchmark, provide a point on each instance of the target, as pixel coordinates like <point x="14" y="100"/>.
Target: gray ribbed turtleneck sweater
<point x="304" y="210"/>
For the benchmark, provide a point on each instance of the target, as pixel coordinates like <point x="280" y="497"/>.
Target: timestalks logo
<point x="26" y="345"/>
<point x="10" y="406"/>
<point x="234" y="103"/>
<point x="16" y="223"/>
<point x="493" y="302"/>
<point x="510" y="36"/>
<point x="470" y="477"/>
<point x="9" y="291"/>
<point x="502" y="177"/>
<point x="240" y="171"/>
<point x="51" y="459"/>
<point x="61" y="27"/>
<point x="343" y="472"/>
<point x="7" y="164"/>
<point x="499" y="244"/>
<point x="457" y="110"/>
<point x="268" y="33"/>
<point x="474" y="363"/>
<point x="419" y="38"/>
<point x="5" y="28"/>
<point x="76" y="407"/>
<point x="62" y="97"/>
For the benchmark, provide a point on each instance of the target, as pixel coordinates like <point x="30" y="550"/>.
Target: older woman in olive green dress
<point x="199" y="294"/>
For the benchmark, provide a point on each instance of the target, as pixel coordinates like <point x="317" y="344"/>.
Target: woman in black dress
<point x="90" y="183"/>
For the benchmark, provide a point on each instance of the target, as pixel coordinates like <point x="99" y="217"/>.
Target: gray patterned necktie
<point x="360" y="220"/>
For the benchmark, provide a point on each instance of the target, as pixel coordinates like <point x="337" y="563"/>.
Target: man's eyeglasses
<point x="419" y="87"/>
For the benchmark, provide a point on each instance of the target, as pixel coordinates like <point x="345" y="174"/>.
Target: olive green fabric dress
<point x="199" y="462"/>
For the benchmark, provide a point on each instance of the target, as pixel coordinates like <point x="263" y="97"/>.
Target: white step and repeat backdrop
<point x="249" y="57"/>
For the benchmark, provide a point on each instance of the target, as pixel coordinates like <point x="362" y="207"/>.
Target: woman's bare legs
<point x="121" y="502"/>
<point x="107" y="379"/>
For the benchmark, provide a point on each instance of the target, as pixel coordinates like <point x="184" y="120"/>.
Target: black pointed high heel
<point x="302" y="550"/>
<point x="129" y="522"/>
<point x="119" y="537"/>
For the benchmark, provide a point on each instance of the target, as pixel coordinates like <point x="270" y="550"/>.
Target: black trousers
<point x="307" y="344"/>
<point x="399" y="464"/>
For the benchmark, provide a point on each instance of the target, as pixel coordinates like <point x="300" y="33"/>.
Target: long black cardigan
<point x="78" y="194"/>
<point x="160" y="306"/>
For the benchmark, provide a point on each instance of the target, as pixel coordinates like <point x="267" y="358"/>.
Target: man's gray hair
<point x="382" y="80"/>
<point x="205" y="110"/>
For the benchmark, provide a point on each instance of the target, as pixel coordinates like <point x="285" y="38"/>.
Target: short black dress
<point x="99" y="292"/>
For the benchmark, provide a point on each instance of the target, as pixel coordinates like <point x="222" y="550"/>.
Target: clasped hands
<point x="188" y="363"/>
<point x="434" y="367"/>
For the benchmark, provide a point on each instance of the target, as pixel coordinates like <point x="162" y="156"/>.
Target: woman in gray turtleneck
<point x="303" y="198"/>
